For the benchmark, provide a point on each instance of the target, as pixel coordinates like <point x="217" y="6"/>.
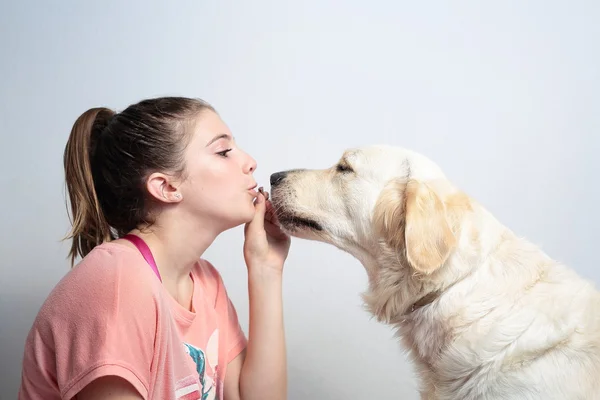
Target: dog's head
<point x="372" y="196"/>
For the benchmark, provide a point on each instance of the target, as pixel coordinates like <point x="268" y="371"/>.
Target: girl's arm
<point x="260" y="371"/>
<point x="109" y="388"/>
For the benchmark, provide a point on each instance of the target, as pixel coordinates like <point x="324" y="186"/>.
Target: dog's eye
<point x="343" y="168"/>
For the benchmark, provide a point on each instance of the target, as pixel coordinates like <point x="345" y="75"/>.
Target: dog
<point x="484" y="314"/>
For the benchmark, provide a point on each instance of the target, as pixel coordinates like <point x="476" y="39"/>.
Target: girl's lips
<point x="253" y="191"/>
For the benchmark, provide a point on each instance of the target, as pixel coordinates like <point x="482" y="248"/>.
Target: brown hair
<point x="108" y="158"/>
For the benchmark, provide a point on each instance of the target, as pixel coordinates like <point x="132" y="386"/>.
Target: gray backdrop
<point x="503" y="95"/>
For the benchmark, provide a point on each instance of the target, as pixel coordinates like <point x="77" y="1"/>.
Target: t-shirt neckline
<point x="180" y="312"/>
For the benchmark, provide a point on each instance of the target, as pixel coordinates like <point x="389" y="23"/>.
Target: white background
<point x="503" y="95"/>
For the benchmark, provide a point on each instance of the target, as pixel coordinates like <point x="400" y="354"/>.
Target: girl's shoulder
<point x="103" y="317"/>
<point x="206" y="270"/>
<point x="111" y="264"/>
<point x="208" y="277"/>
<point x="110" y="275"/>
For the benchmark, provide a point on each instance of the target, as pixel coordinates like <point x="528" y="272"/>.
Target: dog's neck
<point x="409" y="302"/>
<point x="423" y="301"/>
<point x="395" y="290"/>
<point x="430" y="297"/>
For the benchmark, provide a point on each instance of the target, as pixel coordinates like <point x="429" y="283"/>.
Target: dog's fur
<point x="484" y="313"/>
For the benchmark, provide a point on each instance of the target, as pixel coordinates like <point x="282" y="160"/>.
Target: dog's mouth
<point x="293" y="222"/>
<point x="289" y="219"/>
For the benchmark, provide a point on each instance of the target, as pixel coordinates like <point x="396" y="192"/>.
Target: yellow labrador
<point x="484" y="313"/>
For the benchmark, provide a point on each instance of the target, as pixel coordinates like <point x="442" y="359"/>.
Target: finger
<point x="258" y="222"/>
<point x="275" y="231"/>
<point x="270" y="213"/>
<point x="262" y="190"/>
<point x="272" y="225"/>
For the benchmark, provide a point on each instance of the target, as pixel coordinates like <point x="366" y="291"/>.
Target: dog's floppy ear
<point x="388" y="216"/>
<point x="428" y="234"/>
<point x="412" y="217"/>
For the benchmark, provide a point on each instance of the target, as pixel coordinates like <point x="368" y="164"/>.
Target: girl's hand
<point x="265" y="246"/>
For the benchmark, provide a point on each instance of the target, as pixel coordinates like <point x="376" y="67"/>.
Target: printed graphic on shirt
<point x="206" y="365"/>
<point x="188" y="389"/>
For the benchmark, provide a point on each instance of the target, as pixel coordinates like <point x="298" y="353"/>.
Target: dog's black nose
<point x="277" y="177"/>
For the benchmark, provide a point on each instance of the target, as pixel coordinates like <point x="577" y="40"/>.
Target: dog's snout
<point x="277" y="177"/>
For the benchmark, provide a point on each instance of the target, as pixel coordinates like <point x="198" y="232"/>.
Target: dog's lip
<point x="297" y="221"/>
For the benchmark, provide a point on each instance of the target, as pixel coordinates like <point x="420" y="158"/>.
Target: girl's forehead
<point x="209" y="128"/>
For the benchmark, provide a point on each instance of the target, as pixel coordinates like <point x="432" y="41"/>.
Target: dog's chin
<point x="300" y="226"/>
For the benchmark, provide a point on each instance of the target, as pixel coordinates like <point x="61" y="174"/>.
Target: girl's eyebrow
<point x="219" y="137"/>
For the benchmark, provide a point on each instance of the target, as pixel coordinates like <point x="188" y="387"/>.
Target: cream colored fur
<point x="494" y="317"/>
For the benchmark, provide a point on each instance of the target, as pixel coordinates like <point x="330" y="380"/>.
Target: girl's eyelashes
<point x="224" y="152"/>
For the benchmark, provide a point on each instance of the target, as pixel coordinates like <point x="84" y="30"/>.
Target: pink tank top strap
<point x="145" y="250"/>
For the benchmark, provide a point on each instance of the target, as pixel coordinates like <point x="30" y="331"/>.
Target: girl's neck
<point x="176" y="250"/>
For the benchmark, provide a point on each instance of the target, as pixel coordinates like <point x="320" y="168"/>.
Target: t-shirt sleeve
<point x="103" y="323"/>
<point x="235" y="339"/>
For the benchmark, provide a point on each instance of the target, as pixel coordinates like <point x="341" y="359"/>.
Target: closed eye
<point x="344" y="168"/>
<point x="224" y="152"/>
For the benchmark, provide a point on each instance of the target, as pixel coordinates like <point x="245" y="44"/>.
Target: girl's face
<point x="217" y="186"/>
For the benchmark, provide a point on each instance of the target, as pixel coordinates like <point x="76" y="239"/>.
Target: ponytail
<point x="89" y="225"/>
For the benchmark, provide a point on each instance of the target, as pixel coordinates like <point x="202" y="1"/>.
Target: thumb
<point x="258" y="222"/>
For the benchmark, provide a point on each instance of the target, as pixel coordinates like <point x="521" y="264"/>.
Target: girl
<point x="142" y="315"/>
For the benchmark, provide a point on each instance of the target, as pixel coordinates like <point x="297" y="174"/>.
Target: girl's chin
<point x="244" y="215"/>
<point x="247" y="215"/>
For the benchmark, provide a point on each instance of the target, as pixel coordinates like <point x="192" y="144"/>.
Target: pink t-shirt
<point x="110" y="315"/>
